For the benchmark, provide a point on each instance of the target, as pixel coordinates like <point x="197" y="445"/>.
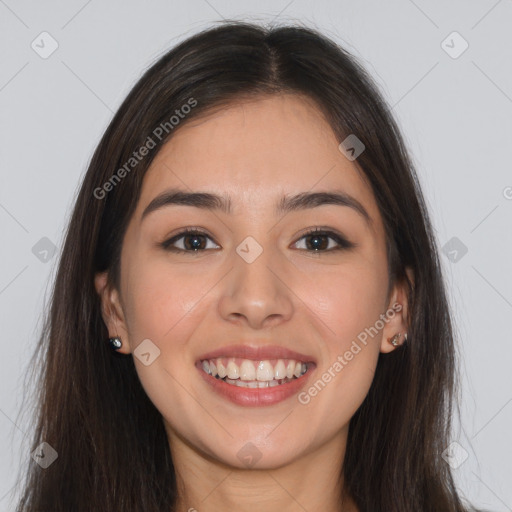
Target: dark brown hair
<point x="113" y="452"/>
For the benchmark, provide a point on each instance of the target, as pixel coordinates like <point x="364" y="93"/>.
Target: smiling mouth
<point x="247" y="373"/>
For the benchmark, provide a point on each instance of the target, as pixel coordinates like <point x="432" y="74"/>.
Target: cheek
<point x="162" y="299"/>
<point x="347" y="299"/>
<point x="164" y="306"/>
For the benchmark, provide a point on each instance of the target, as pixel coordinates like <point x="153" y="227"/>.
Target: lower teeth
<point x="256" y="383"/>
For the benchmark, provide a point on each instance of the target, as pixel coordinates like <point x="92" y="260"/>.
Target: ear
<point x="112" y="311"/>
<point x="399" y="321"/>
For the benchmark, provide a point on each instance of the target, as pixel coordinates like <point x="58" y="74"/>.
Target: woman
<point x="249" y="310"/>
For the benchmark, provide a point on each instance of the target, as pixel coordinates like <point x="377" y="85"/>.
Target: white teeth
<point x="290" y="368"/>
<point x="257" y="371"/>
<point x="265" y="371"/>
<point x="232" y="370"/>
<point x="206" y="367"/>
<point x="255" y="384"/>
<point x="247" y="371"/>
<point x="221" y="370"/>
<point x="280" y="370"/>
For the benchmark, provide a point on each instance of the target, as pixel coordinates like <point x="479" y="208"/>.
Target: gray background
<point x="456" y="114"/>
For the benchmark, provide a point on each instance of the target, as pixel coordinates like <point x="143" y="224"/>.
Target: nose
<point x="256" y="292"/>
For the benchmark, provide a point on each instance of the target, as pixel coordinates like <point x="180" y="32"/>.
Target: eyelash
<point x="343" y="244"/>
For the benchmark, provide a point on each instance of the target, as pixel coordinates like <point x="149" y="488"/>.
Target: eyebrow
<point x="298" y="202"/>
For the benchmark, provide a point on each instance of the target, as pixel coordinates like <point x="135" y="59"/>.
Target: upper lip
<point x="258" y="353"/>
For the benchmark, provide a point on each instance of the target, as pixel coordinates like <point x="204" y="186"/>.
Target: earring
<point x="115" y="343"/>
<point x="394" y="339"/>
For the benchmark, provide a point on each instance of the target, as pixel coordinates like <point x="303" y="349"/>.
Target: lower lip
<point x="256" y="397"/>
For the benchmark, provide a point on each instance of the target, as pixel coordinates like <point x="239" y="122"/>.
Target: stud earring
<point x="394" y="339"/>
<point x="115" y="343"/>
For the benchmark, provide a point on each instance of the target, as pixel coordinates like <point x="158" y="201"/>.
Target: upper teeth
<point x="246" y="369"/>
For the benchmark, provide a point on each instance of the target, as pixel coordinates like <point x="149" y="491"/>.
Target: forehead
<point x="255" y="152"/>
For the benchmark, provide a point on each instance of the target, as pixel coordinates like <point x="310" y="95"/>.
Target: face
<point x="251" y="289"/>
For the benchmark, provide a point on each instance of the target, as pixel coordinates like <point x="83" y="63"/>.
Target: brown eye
<point x="317" y="240"/>
<point x="190" y="241"/>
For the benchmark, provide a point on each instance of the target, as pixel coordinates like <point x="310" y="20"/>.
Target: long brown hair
<point x="113" y="451"/>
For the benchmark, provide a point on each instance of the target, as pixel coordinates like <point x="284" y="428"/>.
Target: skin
<point x="314" y="303"/>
